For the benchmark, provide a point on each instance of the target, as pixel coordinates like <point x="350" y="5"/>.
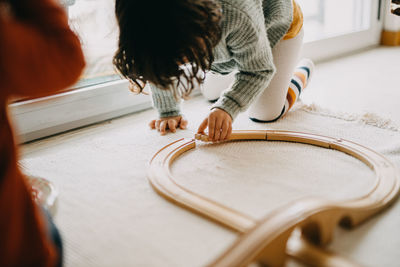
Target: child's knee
<point x="211" y="94"/>
<point x="265" y="115"/>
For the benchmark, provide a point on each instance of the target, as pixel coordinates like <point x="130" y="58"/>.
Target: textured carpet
<point x="110" y="216"/>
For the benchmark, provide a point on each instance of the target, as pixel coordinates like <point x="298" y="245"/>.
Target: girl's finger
<point x="211" y="126"/>
<point x="158" y="124"/>
<point x="229" y="131"/>
<point x="203" y="126"/>
<point x="217" y="131"/>
<point x="152" y="124"/>
<point x="225" y="128"/>
<point x="183" y="124"/>
<point x="172" y="125"/>
<point x="163" y="127"/>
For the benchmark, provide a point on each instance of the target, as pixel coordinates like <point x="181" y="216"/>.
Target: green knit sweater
<point x="250" y="29"/>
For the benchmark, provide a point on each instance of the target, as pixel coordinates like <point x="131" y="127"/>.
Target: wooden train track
<point x="315" y="219"/>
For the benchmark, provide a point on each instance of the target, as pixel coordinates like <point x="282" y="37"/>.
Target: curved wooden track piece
<point x="266" y="240"/>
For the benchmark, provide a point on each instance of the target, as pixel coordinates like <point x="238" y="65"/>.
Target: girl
<point x="260" y="39"/>
<point x="39" y="55"/>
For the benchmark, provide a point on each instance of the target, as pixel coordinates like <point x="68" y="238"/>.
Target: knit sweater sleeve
<point x="251" y="51"/>
<point x="165" y="102"/>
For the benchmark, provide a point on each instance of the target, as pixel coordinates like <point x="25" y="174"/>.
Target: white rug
<point x="110" y="216"/>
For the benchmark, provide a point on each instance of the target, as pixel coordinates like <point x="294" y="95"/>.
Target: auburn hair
<point x="158" y="37"/>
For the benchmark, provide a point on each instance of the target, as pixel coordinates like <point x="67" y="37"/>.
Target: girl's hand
<point x="169" y="123"/>
<point x="219" y="124"/>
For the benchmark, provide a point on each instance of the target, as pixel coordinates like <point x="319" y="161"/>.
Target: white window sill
<point x="47" y="116"/>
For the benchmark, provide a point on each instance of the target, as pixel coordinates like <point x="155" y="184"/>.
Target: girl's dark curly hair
<point x="158" y="36"/>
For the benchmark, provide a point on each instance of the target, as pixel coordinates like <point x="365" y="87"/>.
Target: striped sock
<point x="299" y="82"/>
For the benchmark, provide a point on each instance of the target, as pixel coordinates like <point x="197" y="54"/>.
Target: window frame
<point x="344" y="44"/>
<point x="35" y="119"/>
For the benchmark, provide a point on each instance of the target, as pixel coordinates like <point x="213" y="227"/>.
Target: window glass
<point x="94" y="22"/>
<point x="328" y="18"/>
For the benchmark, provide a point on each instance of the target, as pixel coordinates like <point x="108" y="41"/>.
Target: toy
<point x="316" y="218"/>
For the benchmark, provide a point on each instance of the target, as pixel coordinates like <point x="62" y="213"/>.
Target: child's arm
<point x="250" y="48"/>
<point x="168" y="108"/>
<point x="165" y="102"/>
<point x="253" y="55"/>
<point x="39" y="53"/>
